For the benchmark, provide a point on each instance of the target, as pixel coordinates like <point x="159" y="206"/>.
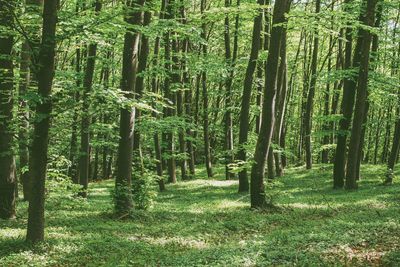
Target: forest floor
<point x="206" y="222"/>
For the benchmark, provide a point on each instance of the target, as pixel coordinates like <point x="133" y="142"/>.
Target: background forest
<point x="191" y="133"/>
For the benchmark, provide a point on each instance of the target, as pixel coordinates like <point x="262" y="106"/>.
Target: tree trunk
<point x="281" y="104"/>
<point x="355" y="139"/>
<point x="84" y="157"/>
<point x="168" y="94"/>
<point x="349" y="91"/>
<point x="374" y="55"/>
<point x="246" y="97"/>
<point x="29" y="47"/>
<point x="230" y="62"/>
<point x="311" y="93"/>
<point x="123" y="181"/>
<point x="139" y="90"/>
<point x="206" y="132"/>
<point x="257" y="190"/>
<point x="8" y="181"/>
<point x="156" y="139"/>
<point x="38" y="159"/>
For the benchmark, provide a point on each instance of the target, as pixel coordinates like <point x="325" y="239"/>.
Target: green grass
<point x="205" y="222"/>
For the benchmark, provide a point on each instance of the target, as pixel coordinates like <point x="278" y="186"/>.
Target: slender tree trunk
<point x="374" y="55"/>
<point x="228" y="144"/>
<point x="38" y="159"/>
<point x="168" y="94"/>
<point x="281" y="104"/>
<point x="206" y="132"/>
<point x="326" y="125"/>
<point x="156" y="139"/>
<point x="257" y="190"/>
<point x="123" y="181"/>
<point x="187" y="101"/>
<point x="394" y="152"/>
<point x="8" y="181"/>
<point x="139" y="90"/>
<point x="84" y="157"/>
<point x="246" y="97"/>
<point x="311" y="93"/>
<point x="33" y="8"/>
<point x="355" y="139"/>
<point x="349" y="90"/>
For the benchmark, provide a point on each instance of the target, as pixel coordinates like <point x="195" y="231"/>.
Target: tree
<point x="257" y="190"/>
<point x="123" y="181"/>
<point x="246" y="96"/>
<point x="38" y="160"/>
<point x="206" y="132"/>
<point x="85" y="131"/>
<point x="8" y="181"/>
<point x="349" y="91"/>
<point x="355" y="139"/>
<point x="311" y="93"/>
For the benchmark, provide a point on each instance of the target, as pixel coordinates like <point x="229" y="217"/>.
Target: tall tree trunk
<point x="38" y="160"/>
<point x="355" y="139"/>
<point x="311" y="93"/>
<point x="168" y="94"/>
<point x="326" y="124"/>
<point x="257" y="190"/>
<point x="123" y="181"/>
<point x="206" y="132"/>
<point x="246" y="97"/>
<point x="84" y="157"/>
<point x="72" y="170"/>
<point x="374" y="58"/>
<point x="230" y="62"/>
<point x="156" y="139"/>
<point x="187" y="100"/>
<point x="349" y="91"/>
<point x="8" y="181"/>
<point x="139" y="90"/>
<point x="281" y="104"/>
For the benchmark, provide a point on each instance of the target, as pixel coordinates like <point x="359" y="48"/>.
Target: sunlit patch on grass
<point x="167" y="241"/>
<point x="11" y="233"/>
<point x="355" y="254"/>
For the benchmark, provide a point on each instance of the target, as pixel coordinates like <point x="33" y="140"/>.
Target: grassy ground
<point x="205" y="222"/>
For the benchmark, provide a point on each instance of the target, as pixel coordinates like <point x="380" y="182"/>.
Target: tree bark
<point x="38" y="160"/>
<point x="311" y="93"/>
<point x="355" y="139"/>
<point x="168" y="94"/>
<point x="257" y="190"/>
<point x="84" y="157"/>
<point x="246" y="97"/>
<point x="230" y="62"/>
<point x="349" y="91"/>
<point x="123" y="181"/>
<point x="8" y="181"/>
<point x="206" y="131"/>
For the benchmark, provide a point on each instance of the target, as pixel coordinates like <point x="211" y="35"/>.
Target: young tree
<point x="40" y="139"/>
<point x="84" y="159"/>
<point x="311" y="93"/>
<point x="29" y="47"/>
<point x="123" y="180"/>
<point x="246" y="97"/>
<point x="8" y="181"/>
<point x="206" y="132"/>
<point x="355" y="139"/>
<point x="257" y="190"/>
